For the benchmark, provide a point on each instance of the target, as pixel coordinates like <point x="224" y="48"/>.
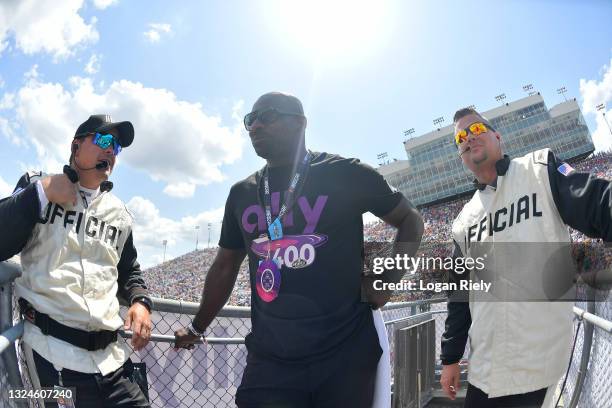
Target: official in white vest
<point x="519" y="349"/>
<point x="78" y="256"/>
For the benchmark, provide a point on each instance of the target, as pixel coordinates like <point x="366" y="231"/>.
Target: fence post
<point x="8" y="272"/>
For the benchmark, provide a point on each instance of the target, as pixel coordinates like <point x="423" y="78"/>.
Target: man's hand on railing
<point x="186" y="338"/>
<point x="449" y="380"/>
<point x="139" y="321"/>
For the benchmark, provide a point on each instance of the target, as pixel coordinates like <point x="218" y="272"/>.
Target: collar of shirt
<point x="88" y="194"/>
<point x="501" y="167"/>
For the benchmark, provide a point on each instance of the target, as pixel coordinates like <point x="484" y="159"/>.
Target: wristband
<point x="192" y="330"/>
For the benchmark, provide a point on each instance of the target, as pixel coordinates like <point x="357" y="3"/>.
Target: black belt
<point x="95" y="340"/>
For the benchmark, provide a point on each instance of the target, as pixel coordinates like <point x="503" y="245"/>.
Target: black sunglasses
<point x="265" y="117"/>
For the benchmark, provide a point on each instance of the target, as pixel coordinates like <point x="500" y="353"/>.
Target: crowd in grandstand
<point x="183" y="277"/>
<point x="591" y="253"/>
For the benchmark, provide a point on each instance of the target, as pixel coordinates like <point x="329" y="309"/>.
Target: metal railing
<point x="595" y="320"/>
<point x="209" y="375"/>
<point x="414" y="362"/>
<point x="9" y="366"/>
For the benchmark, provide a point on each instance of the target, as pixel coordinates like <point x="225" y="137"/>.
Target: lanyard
<point x="84" y="199"/>
<point x="294" y="189"/>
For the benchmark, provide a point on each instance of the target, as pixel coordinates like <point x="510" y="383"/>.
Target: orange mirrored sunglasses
<point x="475" y="128"/>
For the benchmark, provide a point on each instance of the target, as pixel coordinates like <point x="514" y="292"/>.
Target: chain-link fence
<point x="209" y="375"/>
<point x="4" y="388"/>
<point x="596" y="390"/>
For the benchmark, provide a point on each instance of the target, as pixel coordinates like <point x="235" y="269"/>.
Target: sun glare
<point x="332" y="28"/>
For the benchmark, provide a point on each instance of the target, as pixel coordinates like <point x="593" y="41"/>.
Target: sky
<point x="186" y="72"/>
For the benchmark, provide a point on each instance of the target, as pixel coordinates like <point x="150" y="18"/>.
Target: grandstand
<point x="182" y="278"/>
<point x="433" y="171"/>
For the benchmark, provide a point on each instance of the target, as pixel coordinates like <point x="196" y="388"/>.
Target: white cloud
<point x="156" y="30"/>
<point x="52" y="27"/>
<point x="176" y="141"/>
<point x="102" y="4"/>
<point x="32" y="74"/>
<point x="5" y="188"/>
<point x="180" y="190"/>
<point x="150" y="229"/>
<point x="2" y="83"/>
<point x="8" y="131"/>
<point x="8" y="128"/>
<point x="7" y="101"/>
<point x="595" y="92"/>
<point x="93" y="65"/>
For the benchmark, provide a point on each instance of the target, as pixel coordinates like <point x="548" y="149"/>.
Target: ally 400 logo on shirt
<point x="293" y="251"/>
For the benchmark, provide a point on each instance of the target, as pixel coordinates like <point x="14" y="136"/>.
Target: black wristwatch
<point x="145" y="301"/>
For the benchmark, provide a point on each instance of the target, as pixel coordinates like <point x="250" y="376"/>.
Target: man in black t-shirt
<point x="313" y="341"/>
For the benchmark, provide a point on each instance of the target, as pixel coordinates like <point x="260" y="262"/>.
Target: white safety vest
<point x="516" y="346"/>
<point x="70" y="273"/>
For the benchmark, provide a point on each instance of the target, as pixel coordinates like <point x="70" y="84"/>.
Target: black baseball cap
<point x="104" y="123"/>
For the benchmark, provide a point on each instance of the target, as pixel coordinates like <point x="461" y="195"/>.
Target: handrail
<point x="9" y="271"/>
<point x="400" y="305"/>
<point x="593" y="319"/>
<point x="586" y="349"/>
<point x="166" y="338"/>
<point x="10" y="336"/>
<point x="411" y="317"/>
<point x="177" y="306"/>
<point x="191" y="308"/>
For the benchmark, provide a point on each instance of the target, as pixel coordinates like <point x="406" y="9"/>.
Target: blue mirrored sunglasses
<point x="105" y="140"/>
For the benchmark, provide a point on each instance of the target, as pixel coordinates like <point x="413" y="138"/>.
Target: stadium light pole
<point x="562" y="91"/>
<point x="601" y="107"/>
<point x="473" y="107"/>
<point x="209" y="225"/>
<point x="407" y="134"/>
<point x="197" y="228"/>
<point x="381" y="156"/>
<point x="165" y="244"/>
<point x="438" y="121"/>
<point x="529" y="89"/>
<point x="500" y="98"/>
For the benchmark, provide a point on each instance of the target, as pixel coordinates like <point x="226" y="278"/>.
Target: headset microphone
<point x="73" y="176"/>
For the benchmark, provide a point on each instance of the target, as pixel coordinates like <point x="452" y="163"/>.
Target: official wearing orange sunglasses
<point x="519" y="350"/>
<point x="479" y="146"/>
<point x="476" y="128"/>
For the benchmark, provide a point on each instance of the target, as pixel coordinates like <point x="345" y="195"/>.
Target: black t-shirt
<point x="318" y="305"/>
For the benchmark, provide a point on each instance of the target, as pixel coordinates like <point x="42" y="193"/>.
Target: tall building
<point x="434" y="171"/>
